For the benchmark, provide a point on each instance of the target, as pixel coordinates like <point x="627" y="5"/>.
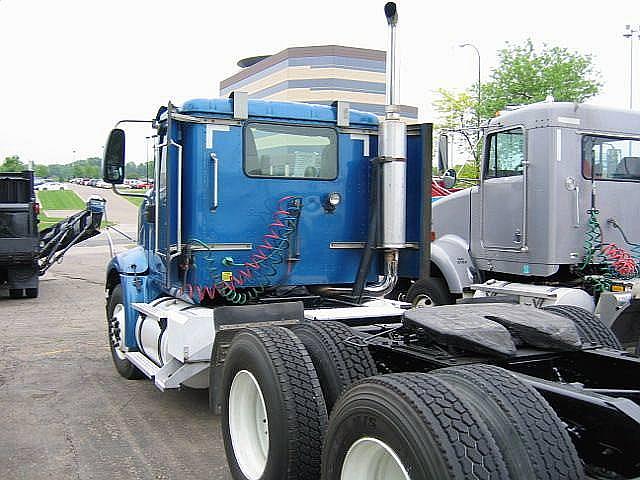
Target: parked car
<point x="50" y="186"/>
<point x="101" y="184"/>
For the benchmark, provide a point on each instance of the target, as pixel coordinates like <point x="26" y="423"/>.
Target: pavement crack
<point x="72" y="277"/>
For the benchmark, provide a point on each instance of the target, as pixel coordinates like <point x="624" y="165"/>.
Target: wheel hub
<point x="372" y="459"/>
<point x="117" y="319"/>
<point x="248" y="425"/>
<point x="423" y="300"/>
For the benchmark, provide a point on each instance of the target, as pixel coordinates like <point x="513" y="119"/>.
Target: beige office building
<point x="319" y="75"/>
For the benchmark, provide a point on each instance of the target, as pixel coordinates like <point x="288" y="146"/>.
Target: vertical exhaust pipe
<point x="392" y="159"/>
<point x="392" y="151"/>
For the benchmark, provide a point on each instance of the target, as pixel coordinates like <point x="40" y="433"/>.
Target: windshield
<point x="610" y="158"/>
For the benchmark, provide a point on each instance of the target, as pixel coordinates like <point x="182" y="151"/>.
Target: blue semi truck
<point x="266" y="249"/>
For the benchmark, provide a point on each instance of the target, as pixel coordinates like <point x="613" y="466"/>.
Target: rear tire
<point x="31" y="292"/>
<point x="115" y="314"/>
<point x="531" y="437"/>
<point x="273" y="367"/>
<point x="590" y="328"/>
<point x="15" y="293"/>
<point x="389" y="425"/>
<point x="429" y="292"/>
<point x="338" y="362"/>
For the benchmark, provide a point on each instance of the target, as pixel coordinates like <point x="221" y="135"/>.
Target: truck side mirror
<point x="449" y="178"/>
<point x="113" y="162"/>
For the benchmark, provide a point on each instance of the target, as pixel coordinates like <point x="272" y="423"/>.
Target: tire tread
<point x="463" y="440"/>
<point x="302" y="395"/>
<point x="550" y="448"/>
<point x="590" y="328"/>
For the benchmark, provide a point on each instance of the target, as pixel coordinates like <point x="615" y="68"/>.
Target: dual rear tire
<point x="476" y="421"/>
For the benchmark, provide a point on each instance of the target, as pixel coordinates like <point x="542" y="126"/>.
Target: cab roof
<point x="277" y="110"/>
<point x="579" y="116"/>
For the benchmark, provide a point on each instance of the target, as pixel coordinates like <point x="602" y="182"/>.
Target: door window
<point x="505" y="154"/>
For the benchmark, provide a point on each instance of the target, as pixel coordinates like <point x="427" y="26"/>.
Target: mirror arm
<point x="123" y="194"/>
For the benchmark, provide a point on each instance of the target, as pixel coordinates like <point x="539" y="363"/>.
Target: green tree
<point x="12" y="164"/>
<point x="459" y="115"/>
<point x="524" y="75"/>
<point x="41" y="171"/>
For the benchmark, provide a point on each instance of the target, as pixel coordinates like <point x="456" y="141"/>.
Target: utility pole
<point x="629" y="33"/>
<point x="479" y="98"/>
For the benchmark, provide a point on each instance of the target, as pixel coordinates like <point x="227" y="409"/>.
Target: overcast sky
<point x="71" y="68"/>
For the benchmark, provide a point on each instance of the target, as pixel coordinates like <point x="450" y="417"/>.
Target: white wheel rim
<point x="371" y="459"/>
<point x="117" y="320"/>
<point x="424" y="300"/>
<point x="248" y="425"/>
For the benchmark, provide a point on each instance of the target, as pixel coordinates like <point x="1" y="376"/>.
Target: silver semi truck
<point x="554" y="219"/>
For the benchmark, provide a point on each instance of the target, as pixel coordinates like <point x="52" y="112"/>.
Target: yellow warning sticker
<point x="226" y="276"/>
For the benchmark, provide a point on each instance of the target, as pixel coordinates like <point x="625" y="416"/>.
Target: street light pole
<point x="479" y="90"/>
<point x="629" y="32"/>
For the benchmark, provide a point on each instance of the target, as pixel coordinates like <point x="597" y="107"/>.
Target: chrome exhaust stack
<point x="392" y="152"/>
<point x="392" y="158"/>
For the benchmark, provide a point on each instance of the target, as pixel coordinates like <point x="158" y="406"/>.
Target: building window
<point x="291" y="151"/>
<point x="505" y="154"/>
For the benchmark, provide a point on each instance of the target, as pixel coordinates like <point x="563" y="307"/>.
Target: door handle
<point x="571" y="185"/>
<point x="214" y="160"/>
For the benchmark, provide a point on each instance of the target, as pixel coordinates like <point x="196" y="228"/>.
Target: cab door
<point x="503" y="189"/>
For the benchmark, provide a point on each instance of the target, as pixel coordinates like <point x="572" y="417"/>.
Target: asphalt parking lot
<point x="67" y="414"/>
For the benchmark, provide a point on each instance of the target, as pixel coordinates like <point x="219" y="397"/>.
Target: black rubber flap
<point x="535" y="327"/>
<point x="464" y="327"/>
<point x="483" y="327"/>
<point x="269" y="312"/>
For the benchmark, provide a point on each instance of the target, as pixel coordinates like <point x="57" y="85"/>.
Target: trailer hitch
<point x="56" y="240"/>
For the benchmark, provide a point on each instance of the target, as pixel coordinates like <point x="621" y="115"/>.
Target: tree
<point x="41" y="171"/>
<point x="12" y="164"/>
<point x="459" y="115"/>
<point x="524" y="75"/>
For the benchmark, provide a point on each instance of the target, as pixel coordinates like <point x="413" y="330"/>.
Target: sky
<point x="69" y="69"/>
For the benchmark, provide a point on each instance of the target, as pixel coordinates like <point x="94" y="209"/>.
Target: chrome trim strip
<point x="221" y="247"/>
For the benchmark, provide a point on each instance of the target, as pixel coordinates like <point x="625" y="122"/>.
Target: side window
<point x="610" y="158"/>
<point x="290" y="151"/>
<point x="505" y="154"/>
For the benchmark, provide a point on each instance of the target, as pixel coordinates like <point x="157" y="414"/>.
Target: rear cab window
<point x="290" y="151"/>
<point x="610" y="158"/>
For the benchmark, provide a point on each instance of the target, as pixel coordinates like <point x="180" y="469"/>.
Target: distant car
<point x="101" y="184"/>
<point x="142" y="185"/>
<point x="50" y="186"/>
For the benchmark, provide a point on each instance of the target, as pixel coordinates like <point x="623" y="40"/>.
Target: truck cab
<point x="255" y="201"/>
<point x="558" y="182"/>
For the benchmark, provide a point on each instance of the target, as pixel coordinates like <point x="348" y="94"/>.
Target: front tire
<point x="115" y="323"/>
<point x="429" y="292"/>
<point x="273" y="414"/>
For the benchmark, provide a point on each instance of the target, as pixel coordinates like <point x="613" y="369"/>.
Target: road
<point x="120" y="211"/>
<point x="66" y="413"/>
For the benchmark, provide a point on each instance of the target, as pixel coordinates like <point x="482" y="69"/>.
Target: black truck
<point x="19" y="238"/>
<point x="26" y="253"/>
